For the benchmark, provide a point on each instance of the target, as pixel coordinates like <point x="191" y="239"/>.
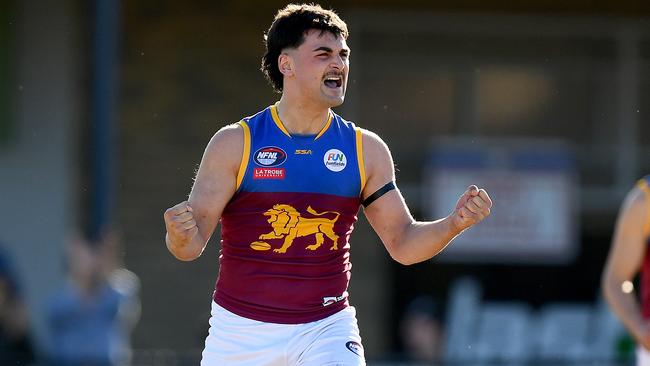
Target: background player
<point x="628" y="257"/>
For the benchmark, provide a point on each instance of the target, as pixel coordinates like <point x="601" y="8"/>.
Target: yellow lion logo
<point x="287" y="224"/>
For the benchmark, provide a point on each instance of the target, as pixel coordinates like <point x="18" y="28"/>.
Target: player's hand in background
<point x="472" y="207"/>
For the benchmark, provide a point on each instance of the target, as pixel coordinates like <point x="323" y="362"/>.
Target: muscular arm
<point x="623" y="264"/>
<point x="407" y="240"/>
<point x="188" y="230"/>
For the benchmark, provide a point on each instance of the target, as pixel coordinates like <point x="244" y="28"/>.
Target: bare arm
<point x="190" y="224"/>
<point x="623" y="264"/>
<point x="409" y="241"/>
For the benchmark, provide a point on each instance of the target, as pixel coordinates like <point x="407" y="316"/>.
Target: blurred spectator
<point x="421" y="331"/>
<point x="91" y="317"/>
<point x="15" y="343"/>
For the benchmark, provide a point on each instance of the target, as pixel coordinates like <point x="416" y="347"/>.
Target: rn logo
<point x="270" y="156"/>
<point x="335" y="160"/>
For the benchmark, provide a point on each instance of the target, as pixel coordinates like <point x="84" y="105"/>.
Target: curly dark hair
<point x="288" y="31"/>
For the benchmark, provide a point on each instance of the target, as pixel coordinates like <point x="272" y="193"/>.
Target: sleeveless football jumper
<point x="285" y="233"/>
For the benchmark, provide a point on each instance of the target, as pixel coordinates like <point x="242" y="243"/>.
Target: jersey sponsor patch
<point x="335" y="160"/>
<point x="268" y="173"/>
<point x="270" y="156"/>
<point x="355" y="348"/>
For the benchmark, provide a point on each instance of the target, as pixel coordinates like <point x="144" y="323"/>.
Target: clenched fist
<point x="472" y="207"/>
<point x="181" y="226"/>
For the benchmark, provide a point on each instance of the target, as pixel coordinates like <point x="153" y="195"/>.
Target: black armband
<point x="380" y="192"/>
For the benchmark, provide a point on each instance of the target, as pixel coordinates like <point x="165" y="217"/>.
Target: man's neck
<point x="302" y="118"/>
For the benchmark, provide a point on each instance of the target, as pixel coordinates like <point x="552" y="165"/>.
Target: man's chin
<point x="335" y="101"/>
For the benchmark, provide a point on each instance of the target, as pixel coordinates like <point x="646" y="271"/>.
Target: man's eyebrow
<point x="323" y="48"/>
<point x="329" y="50"/>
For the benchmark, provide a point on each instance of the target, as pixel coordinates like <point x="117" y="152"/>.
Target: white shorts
<point x="235" y="340"/>
<point x="642" y="356"/>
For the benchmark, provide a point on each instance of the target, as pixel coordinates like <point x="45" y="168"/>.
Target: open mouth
<point x="333" y="81"/>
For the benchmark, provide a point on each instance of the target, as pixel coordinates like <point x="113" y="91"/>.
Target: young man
<point x="287" y="184"/>
<point x="628" y="257"/>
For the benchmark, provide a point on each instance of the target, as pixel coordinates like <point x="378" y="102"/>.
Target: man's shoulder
<point x="227" y="141"/>
<point x="232" y="137"/>
<point x="229" y="132"/>
<point x="257" y="115"/>
<point x="372" y="139"/>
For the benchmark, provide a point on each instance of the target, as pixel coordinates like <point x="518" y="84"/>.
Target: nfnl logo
<point x="335" y="160"/>
<point x="270" y="156"/>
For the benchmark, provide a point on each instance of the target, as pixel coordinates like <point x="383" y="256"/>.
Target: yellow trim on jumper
<point x="643" y="185"/>
<point x="362" y="169"/>
<point x="245" y="155"/>
<point x="327" y="125"/>
<point x="278" y="122"/>
<point x="276" y="119"/>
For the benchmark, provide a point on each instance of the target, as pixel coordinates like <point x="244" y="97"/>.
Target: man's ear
<point x="285" y="64"/>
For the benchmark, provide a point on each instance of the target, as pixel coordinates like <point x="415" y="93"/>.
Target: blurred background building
<point x="106" y="106"/>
